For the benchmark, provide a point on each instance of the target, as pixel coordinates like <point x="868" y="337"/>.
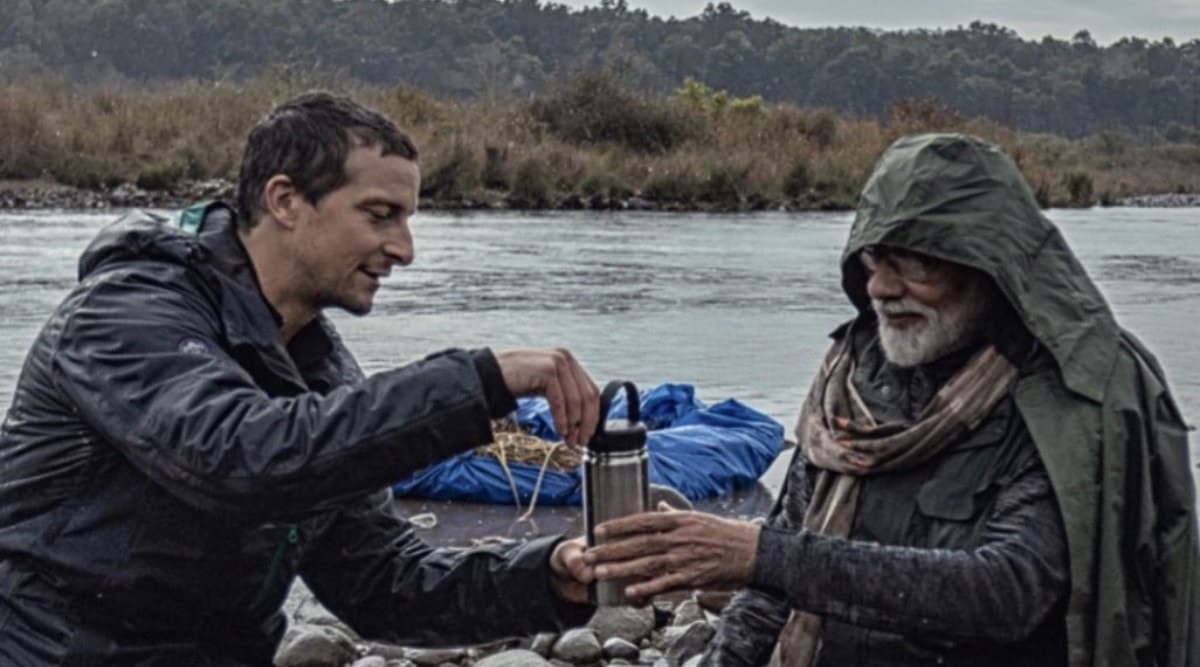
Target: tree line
<point x="484" y="49"/>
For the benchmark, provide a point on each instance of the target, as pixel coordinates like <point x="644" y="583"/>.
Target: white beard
<point x="946" y="329"/>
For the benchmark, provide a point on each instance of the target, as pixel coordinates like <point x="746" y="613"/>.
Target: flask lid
<point x="619" y="436"/>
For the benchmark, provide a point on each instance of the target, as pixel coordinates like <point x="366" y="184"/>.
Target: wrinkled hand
<point x="555" y="374"/>
<point x="569" y="574"/>
<point x="671" y="550"/>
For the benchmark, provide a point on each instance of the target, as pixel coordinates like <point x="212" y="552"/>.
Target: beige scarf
<point x="839" y="436"/>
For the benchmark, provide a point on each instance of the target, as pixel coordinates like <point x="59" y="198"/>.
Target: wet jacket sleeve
<point x="751" y="622"/>
<point x="371" y="571"/>
<point x="1000" y="591"/>
<point x="140" y="359"/>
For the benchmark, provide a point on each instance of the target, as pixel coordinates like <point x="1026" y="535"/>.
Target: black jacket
<point x="960" y="560"/>
<point x="168" y="466"/>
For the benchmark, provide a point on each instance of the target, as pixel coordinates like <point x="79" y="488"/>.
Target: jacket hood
<point x="138" y="235"/>
<point x="961" y="199"/>
<point x="202" y="238"/>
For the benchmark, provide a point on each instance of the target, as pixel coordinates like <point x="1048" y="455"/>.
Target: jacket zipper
<point x="292" y="537"/>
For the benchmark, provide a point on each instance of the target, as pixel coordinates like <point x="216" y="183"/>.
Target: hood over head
<point x="961" y="199"/>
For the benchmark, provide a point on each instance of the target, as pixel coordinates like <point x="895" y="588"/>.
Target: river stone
<point x="311" y="612"/>
<point x="543" y="643"/>
<point x="296" y="597"/>
<point x="661" y="493"/>
<point x="688" y="612"/>
<point x="370" y="661"/>
<point x="693" y="661"/>
<point x="401" y="663"/>
<point x="628" y="623"/>
<point x="616" y="647"/>
<point x="515" y="658"/>
<point x="432" y="657"/>
<point x="316" y="646"/>
<point x="578" y="646"/>
<point x="714" y="601"/>
<point x="685" y="642"/>
<point x="385" y="650"/>
<point x="649" y="656"/>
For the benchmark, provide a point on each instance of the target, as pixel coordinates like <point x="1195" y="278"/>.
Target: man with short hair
<point x="990" y="471"/>
<point x="189" y="433"/>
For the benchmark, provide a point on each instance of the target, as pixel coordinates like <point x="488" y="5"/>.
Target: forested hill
<point x="481" y="48"/>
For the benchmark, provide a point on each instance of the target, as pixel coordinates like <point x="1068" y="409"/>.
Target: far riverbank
<point x="591" y="143"/>
<point x="45" y="195"/>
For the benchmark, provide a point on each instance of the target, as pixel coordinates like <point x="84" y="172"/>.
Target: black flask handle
<point x="606" y="397"/>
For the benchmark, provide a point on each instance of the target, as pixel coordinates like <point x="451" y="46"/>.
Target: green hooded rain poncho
<point x="1110" y="435"/>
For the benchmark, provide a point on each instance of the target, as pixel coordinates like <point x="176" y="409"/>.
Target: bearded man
<point x="990" y="471"/>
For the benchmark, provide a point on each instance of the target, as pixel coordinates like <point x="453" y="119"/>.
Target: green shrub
<point x="87" y="173"/>
<point x="1041" y="192"/>
<point x="1112" y="143"/>
<point x="821" y="129"/>
<point x="1181" y="134"/>
<point x="161" y="177"/>
<point x="495" y="173"/>
<point x="721" y="187"/>
<point x="1080" y="190"/>
<point x="748" y="106"/>
<point x="531" y="185"/>
<point x="452" y="176"/>
<point x="1184" y="154"/>
<point x="798" y="180"/>
<point x="596" y="108"/>
<point x="697" y="96"/>
<point x="694" y="94"/>
<point x="194" y="167"/>
<point x="671" y="186"/>
<point x="923" y="114"/>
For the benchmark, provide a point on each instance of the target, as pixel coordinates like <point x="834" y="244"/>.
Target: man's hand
<point x="555" y="374"/>
<point x="672" y="550"/>
<point x="569" y="574"/>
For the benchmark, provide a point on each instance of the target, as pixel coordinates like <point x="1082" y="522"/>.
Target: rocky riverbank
<point x="1169" y="200"/>
<point x="46" y="195"/>
<point x="670" y="633"/>
<point x="666" y="634"/>
<point x="17" y="195"/>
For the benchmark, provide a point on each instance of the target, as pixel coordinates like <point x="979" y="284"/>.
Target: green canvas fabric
<point x="1111" y="436"/>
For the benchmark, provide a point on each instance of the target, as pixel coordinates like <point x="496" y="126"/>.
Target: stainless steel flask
<point x="615" y="478"/>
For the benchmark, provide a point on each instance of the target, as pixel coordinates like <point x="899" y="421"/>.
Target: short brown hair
<point x="308" y="139"/>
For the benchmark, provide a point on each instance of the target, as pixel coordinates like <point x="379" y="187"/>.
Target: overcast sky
<point x="1107" y="20"/>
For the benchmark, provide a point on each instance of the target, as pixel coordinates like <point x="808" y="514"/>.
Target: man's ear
<point x="282" y="201"/>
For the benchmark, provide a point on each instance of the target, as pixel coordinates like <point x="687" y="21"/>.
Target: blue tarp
<point x="700" y="451"/>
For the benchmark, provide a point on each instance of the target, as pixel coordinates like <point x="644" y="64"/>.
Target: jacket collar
<point x="248" y="317"/>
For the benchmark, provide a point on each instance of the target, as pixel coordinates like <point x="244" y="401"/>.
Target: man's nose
<point x="399" y="246"/>
<point x="885" y="283"/>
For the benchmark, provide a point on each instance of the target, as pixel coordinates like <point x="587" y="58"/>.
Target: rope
<point x="512" y="484"/>
<point x="537" y="486"/>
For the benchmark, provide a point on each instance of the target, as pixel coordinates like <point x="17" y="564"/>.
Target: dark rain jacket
<point x="1100" y="414"/>
<point x="168" y="467"/>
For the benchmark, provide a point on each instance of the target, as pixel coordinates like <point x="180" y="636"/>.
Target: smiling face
<point x="354" y="235"/>
<point x="927" y="307"/>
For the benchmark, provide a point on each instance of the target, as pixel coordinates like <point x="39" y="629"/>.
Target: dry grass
<point x="739" y="155"/>
<point x="513" y="445"/>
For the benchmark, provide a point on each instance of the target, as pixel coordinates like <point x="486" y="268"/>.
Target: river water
<point x="738" y="305"/>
